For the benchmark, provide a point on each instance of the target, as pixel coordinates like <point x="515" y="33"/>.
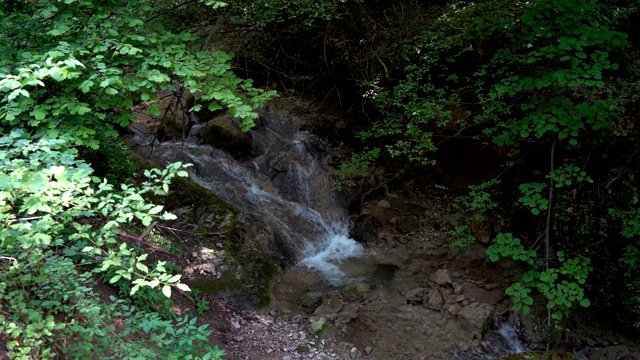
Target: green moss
<point x="255" y="270"/>
<point x="302" y="349"/>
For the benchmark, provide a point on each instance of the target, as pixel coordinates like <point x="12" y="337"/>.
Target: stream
<point x="360" y="291"/>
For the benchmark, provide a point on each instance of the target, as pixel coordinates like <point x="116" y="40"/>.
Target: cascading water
<point x="285" y="189"/>
<point x="510" y="336"/>
<point x="286" y="186"/>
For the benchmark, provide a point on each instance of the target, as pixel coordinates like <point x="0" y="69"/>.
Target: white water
<point x="286" y="187"/>
<point x="511" y="337"/>
<point x="327" y="255"/>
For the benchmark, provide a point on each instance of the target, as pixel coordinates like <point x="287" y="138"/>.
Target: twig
<point x="148" y="230"/>
<point x="547" y="232"/>
<point x="9" y="258"/>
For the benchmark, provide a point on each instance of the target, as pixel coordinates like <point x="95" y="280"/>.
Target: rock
<point x="348" y="314"/>
<point x="173" y="118"/>
<point x="540" y="355"/>
<point x="316" y="325"/>
<point x="330" y="306"/>
<point x="481" y="229"/>
<point x="310" y="301"/>
<point x="222" y="133"/>
<point x="478" y="316"/>
<point x="365" y="229"/>
<point x="368" y="350"/>
<point x="457" y="290"/>
<point x="442" y="277"/>
<point x="384" y="204"/>
<point x="415" y="296"/>
<point x="435" y="299"/>
<point x="616" y="352"/>
<point x="355" y="290"/>
<point x="407" y="224"/>
<point x="454" y="309"/>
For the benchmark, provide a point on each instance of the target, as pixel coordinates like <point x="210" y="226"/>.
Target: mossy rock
<point x="222" y="133"/>
<point x="355" y="290"/>
<point x="248" y="280"/>
<point x="540" y="355"/>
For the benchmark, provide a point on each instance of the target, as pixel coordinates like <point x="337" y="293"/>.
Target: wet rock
<point x="616" y="352"/>
<point x="355" y="290"/>
<point x="407" y="224"/>
<point x="478" y="316"/>
<point x="222" y="133"/>
<point x="442" y="277"/>
<point x="435" y="299"/>
<point x="415" y="296"/>
<point x="365" y="229"/>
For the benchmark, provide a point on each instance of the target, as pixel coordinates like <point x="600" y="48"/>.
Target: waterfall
<point x="511" y="337"/>
<point x="286" y="185"/>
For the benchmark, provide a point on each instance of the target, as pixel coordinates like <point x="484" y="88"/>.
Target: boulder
<point x="481" y="228"/>
<point x="173" y="116"/>
<point x="355" y="290"/>
<point x="442" y="277"/>
<point x="365" y="229"/>
<point x="222" y="133"/>
<point x="478" y="316"/>
<point x="407" y="224"/>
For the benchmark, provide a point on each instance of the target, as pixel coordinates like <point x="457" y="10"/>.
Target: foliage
<point x="562" y="285"/>
<point x="70" y="72"/>
<point x="58" y="83"/>
<point x="52" y="247"/>
<point x="523" y="75"/>
<point x="477" y="204"/>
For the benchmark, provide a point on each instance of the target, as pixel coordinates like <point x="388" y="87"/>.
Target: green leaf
<point x="585" y="302"/>
<point x="166" y="291"/>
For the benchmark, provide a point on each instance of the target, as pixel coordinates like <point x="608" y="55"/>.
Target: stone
<point x="435" y="299"/>
<point x="481" y="228"/>
<point x="330" y="306"/>
<point x="478" y="316"/>
<point x="173" y="118"/>
<point x="310" y="301"/>
<point x="355" y="290"/>
<point x="365" y="229"/>
<point x="316" y="325"/>
<point x="384" y="204"/>
<point x="457" y="290"/>
<point x="221" y="132"/>
<point x="454" y="309"/>
<point x="415" y="296"/>
<point x="406" y="224"/>
<point x="368" y="350"/>
<point x="442" y="277"/>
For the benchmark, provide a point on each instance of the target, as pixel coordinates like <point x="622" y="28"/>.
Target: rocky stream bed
<point x="277" y="242"/>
